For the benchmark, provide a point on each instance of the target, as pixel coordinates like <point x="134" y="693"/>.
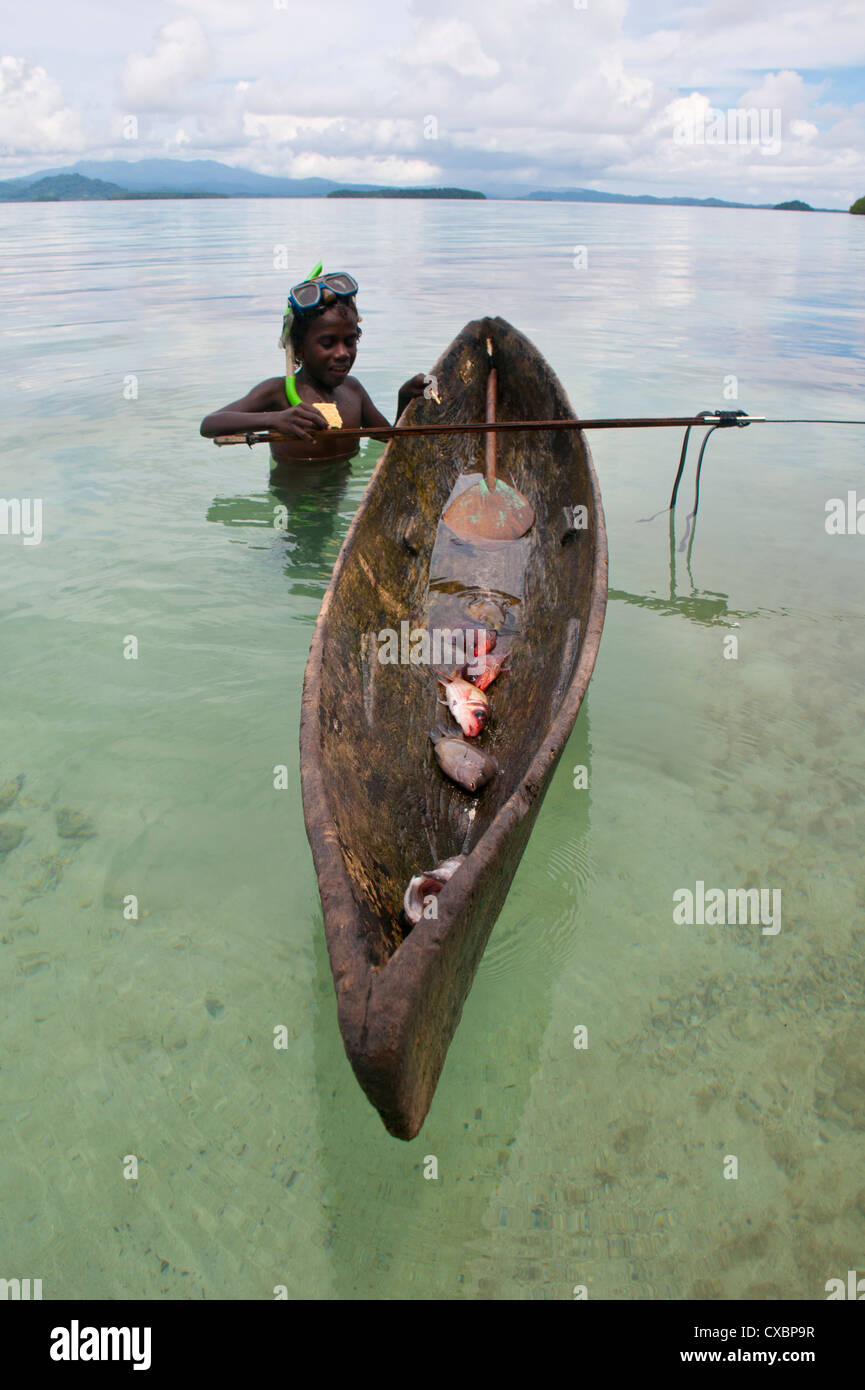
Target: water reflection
<point x="708" y="607"/>
<point x="303" y="513"/>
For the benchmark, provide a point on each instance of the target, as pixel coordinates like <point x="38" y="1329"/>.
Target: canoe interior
<point x="379" y="810"/>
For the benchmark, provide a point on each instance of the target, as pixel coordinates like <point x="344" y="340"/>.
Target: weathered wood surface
<point x="378" y="809"/>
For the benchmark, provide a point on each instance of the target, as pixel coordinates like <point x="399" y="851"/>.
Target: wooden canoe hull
<point x="378" y="809"/>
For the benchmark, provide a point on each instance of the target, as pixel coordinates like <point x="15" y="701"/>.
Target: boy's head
<point x="334" y="291"/>
<point x="334" y="307"/>
<point x="327" y="342"/>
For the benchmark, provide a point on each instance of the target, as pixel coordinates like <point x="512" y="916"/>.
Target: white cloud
<point x="799" y="34"/>
<point x="625" y="90"/>
<point x="393" y="172"/>
<point x="221" y="14"/>
<point x="526" y="94"/>
<point x="722" y="45"/>
<point x="349" y="150"/>
<point x="327" y="133"/>
<point x="450" y="43"/>
<point x="160" y="81"/>
<point x="33" y="117"/>
<point x="785" y="90"/>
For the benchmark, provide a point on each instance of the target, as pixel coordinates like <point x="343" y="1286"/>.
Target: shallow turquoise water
<point x="154" y="1037"/>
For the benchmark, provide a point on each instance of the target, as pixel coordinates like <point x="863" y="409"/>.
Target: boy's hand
<point x="415" y="386"/>
<point x="297" y="420"/>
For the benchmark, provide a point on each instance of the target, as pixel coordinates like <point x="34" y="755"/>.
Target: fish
<point x="478" y="640"/>
<point x="483" y="672"/>
<point x="462" y="762"/>
<point x="422" y="885"/>
<point x="468" y="705"/>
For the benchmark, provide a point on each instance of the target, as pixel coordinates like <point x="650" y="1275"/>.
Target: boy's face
<point x="330" y="346"/>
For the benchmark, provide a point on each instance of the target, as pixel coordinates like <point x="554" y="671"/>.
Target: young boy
<point x="321" y="326"/>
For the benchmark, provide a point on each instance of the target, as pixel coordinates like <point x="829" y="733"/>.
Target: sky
<point x="505" y="96"/>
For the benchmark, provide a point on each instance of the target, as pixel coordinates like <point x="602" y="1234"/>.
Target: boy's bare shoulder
<point x="267" y="395"/>
<point x="271" y="393"/>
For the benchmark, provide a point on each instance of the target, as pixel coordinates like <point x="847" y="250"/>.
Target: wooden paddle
<point x="490" y="510"/>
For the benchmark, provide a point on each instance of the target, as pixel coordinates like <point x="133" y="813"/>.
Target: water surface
<point x="154" y="1036"/>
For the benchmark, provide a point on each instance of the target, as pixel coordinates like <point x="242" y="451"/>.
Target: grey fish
<point x="422" y="885"/>
<point x="465" y="764"/>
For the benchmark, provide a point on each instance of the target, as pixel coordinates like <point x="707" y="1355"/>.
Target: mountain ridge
<point x="169" y="178"/>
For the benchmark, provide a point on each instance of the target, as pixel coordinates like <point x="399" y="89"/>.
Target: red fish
<point x="478" y="640"/>
<point x="467" y="704"/>
<point x="490" y="667"/>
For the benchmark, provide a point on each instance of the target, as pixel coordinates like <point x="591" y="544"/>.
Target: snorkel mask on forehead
<point x="309" y="293"/>
<point x="303" y="299"/>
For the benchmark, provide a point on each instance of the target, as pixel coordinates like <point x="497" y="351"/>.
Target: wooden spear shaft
<point x="480" y="426"/>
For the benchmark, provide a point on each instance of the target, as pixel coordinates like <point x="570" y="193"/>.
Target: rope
<point x="682" y="457"/>
<point x="692" y="516"/>
<point x="726" y="418"/>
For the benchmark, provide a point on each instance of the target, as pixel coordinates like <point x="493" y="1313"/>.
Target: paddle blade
<point x="480" y="514"/>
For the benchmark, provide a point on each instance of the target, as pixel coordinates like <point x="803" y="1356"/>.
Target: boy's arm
<point x="369" y="412"/>
<point x="263" y="408"/>
<point x="409" y="390"/>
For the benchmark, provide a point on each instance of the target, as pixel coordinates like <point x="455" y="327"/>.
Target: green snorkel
<point x="285" y="342"/>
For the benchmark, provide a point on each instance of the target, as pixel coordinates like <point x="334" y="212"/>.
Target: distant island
<point x="405" y="193"/>
<point x="859" y="206"/>
<point x="75" y="188"/>
<point x="115" y="179"/>
<point x="592" y="195"/>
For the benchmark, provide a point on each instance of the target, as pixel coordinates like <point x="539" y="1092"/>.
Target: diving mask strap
<point x="285" y="341"/>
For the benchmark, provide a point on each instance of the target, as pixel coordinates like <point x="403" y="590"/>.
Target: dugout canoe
<point x="378" y="809"/>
